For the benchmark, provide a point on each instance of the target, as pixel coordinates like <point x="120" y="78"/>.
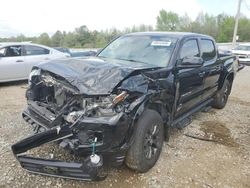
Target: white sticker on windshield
<point x="161" y="43"/>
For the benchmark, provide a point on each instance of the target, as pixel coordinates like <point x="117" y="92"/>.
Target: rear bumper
<point x="80" y="171"/>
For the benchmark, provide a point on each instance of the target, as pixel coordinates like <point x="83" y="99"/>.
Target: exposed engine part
<point x="48" y="80"/>
<point x="73" y="116"/>
<point x="120" y="97"/>
<point x="52" y="94"/>
<point x="95" y="107"/>
<point x="60" y="95"/>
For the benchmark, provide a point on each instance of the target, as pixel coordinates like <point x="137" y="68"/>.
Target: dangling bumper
<point x="81" y="171"/>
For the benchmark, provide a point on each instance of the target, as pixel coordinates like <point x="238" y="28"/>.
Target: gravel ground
<point x="221" y="161"/>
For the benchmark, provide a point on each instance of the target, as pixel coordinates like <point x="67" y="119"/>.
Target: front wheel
<point x="147" y="144"/>
<point x="221" y="97"/>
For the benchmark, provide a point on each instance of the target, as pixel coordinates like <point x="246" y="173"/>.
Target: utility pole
<point x="236" y="23"/>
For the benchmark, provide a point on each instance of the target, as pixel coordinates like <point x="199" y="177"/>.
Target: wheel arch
<point x="163" y="110"/>
<point x="158" y="106"/>
<point x="229" y="76"/>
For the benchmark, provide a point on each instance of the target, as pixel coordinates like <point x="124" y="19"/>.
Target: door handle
<point x="19" y="60"/>
<point x="201" y="74"/>
<point x="47" y="58"/>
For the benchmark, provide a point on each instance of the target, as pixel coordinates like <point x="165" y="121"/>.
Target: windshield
<point x="154" y="50"/>
<point x="241" y="47"/>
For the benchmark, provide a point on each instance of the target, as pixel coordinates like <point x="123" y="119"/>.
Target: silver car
<point x="243" y="52"/>
<point x="17" y="59"/>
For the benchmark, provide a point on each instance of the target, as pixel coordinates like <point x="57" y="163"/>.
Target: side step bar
<point x="188" y="114"/>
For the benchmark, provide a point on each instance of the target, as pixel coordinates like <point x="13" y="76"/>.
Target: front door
<point x="189" y="81"/>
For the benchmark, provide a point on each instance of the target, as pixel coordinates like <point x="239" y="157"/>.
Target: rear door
<point x="35" y="55"/>
<point x="189" y="80"/>
<point x="211" y="67"/>
<point x="12" y="65"/>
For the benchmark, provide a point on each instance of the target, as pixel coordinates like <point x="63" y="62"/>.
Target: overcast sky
<point x="32" y="17"/>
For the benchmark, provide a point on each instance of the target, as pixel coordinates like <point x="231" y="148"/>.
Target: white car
<point x="243" y="52"/>
<point x="17" y="59"/>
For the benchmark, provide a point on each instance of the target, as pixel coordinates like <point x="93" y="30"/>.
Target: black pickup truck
<point x="118" y="106"/>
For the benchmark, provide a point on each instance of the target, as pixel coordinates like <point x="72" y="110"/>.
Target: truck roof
<point x="178" y="35"/>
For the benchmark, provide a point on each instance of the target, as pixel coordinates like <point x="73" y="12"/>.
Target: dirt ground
<point x="220" y="159"/>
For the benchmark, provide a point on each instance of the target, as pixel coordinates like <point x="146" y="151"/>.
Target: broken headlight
<point x="98" y="107"/>
<point x="34" y="72"/>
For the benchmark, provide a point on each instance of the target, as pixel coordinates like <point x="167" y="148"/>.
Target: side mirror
<point x="190" y="62"/>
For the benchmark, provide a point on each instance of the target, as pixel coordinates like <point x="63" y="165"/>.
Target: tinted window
<point x="11" y="51"/>
<point x="35" y="50"/>
<point x="190" y="49"/>
<point x="208" y="49"/>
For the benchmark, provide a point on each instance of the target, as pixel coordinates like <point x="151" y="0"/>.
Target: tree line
<point x="220" y="27"/>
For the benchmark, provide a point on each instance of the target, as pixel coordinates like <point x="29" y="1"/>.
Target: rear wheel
<point x="147" y="144"/>
<point x="221" y="97"/>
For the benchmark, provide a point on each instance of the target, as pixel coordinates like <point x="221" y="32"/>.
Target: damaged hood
<point x="94" y="76"/>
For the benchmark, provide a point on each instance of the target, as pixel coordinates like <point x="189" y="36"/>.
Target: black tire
<point x="147" y="144"/>
<point x="221" y="97"/>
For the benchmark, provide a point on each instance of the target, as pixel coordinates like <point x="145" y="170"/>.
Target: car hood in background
<point x="94" y="76"/>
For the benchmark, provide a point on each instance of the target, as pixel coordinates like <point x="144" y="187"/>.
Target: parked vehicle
<point x="76" y="53"/>
<point x="238" y="65"/>
<point x="17" y="59"/>
<point x="118" y="106"/>
<point x="83" y="53"/>
<point x="63" y="50"/>
<point x="243" y="52"/>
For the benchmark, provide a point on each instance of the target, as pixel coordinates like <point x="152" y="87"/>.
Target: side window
<point x="11" y="51"/>
<point x="35" y="50"/>
<point x="208" y="49"/>
<point x="190" y="49"/>
<point x="2" y="52"/>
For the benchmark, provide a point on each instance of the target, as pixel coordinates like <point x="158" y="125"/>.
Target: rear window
<point x="208" y="49"/>
<point x="35" y="50"/>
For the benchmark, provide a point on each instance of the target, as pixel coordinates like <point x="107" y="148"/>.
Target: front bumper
<point x="111" y="133"/>
<point x="80" y="171"/>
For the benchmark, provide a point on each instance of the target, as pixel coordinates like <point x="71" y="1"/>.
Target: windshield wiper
<point x="132" y="60"/>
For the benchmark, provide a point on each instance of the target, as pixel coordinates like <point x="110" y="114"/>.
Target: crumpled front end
<point x="103" y="121"/>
